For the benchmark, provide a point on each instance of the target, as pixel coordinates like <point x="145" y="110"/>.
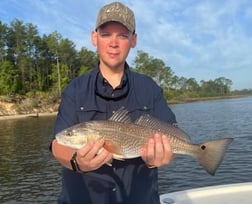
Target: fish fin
<point x="109" y="164"/>
<point x="118" y="157"/>
<point x="112" y="147"/>
<point x="121" y="115"/>
<point x="161" y="126"/>
<point x="211" y="154"/>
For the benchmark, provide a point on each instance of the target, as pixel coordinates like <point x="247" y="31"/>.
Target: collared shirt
<point x="90" y="97"/>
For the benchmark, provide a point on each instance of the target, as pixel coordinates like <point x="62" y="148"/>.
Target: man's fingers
<point x="157" y="152"/>
<point x="150" y="151"/>
<point x="93" y="155"/>
<point x="167" y="149"/>
<point x="95" y="149"/>
<point x="159" y="149"/>
<point x="102" y="158"/>
<point x="82" y="152"/>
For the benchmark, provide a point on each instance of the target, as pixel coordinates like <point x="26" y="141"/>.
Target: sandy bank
<point x="34" y="115"/>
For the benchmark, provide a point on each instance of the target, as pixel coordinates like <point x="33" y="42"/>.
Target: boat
<point x="239" y="193"/>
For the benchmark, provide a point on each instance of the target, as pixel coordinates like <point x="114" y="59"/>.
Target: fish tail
<point x="211" y="154"/>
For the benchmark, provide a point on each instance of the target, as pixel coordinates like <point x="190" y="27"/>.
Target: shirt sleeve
<point x="162" y="109"/>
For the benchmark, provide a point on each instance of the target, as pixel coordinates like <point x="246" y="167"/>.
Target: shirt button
<point x="113" y="189"/>
<point x="81" y="108"/>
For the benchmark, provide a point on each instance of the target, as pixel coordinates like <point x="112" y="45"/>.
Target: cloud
<point x="205" y="37"/>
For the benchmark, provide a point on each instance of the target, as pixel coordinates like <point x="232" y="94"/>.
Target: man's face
<point x="113" y="42"/>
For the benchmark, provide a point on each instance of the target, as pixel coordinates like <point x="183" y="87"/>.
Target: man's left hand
<point x="157" y="152"/>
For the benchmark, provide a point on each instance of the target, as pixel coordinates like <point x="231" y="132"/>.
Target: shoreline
<point x="173" y="101"/>
<point x="31" y="115"/>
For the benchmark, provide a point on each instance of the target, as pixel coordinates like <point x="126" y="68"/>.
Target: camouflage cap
<point x="117" y="12"/>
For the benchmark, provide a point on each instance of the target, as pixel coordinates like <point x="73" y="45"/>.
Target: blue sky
<point x="203" y="39"/>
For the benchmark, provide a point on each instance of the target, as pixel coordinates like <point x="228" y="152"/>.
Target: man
<point x="96" y="95"/>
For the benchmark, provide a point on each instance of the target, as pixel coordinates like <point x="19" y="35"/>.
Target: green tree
<point x="208" y="88"/>
<point x="17" y="49"/>
<point x="88" y="60"/>
<point x="53" y="41"/>
<point x="32" y="40"/>
<point x="68" y="56"/>
<point x="9" y="83"/>
<point x="64" y="73"/>
<point x="29" y="62"/>
<point x="223" y="86"/>
<point x="3" y="41"/>
<point x="154" y="68"/>
<point x="192" y="85"/>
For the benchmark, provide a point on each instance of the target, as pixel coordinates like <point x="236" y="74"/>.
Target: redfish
<point x="125" y="138"/>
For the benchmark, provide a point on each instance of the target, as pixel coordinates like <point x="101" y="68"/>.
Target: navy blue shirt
<point x="90" y="97"/>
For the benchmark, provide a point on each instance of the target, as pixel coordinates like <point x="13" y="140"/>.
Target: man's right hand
<point x="92" y="156"/>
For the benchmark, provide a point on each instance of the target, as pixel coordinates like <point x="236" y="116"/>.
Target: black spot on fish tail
<point x="212" y="153"/>
<point x="203" y="147"/>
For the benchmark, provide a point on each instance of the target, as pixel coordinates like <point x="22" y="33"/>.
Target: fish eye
<point x="69" y="133"/>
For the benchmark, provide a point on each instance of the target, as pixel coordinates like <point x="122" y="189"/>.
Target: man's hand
<point x="92" y="156"/>
<point x="157" y="152"/>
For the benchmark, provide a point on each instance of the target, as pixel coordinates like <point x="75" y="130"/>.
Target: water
<point x="210" y="120"/>
<point x="29" y="174"/>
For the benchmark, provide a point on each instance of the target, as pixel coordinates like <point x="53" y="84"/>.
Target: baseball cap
<point x="117" y="12"/>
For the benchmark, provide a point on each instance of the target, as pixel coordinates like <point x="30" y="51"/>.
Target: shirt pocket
<point x="91" y="112"/>
<point x="87" y="113"/>
<point x="136" y="111"/>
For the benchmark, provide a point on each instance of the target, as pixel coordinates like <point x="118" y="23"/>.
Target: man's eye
<point x="124" y="36"/>
<point x="104" y="34"/>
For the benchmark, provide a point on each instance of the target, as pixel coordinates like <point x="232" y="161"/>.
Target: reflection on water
<point x="210" y="120"/>
<point x="29" y="174"/>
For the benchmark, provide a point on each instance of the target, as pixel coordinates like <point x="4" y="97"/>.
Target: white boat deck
<point x="240" y="193"/>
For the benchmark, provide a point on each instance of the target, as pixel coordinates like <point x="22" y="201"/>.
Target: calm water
<point x="28" y="173"/>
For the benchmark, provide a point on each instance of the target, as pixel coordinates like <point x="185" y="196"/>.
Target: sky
<point x="201" y="39"/>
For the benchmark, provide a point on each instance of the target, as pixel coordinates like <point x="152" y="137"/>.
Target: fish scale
<point x="129" y="138"/>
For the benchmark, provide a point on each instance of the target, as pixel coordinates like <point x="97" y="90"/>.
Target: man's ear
<point x="134" y="40"/>
<point x="94" y="38"/>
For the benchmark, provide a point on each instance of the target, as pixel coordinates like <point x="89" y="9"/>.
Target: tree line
<point x="31" y="63"/>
